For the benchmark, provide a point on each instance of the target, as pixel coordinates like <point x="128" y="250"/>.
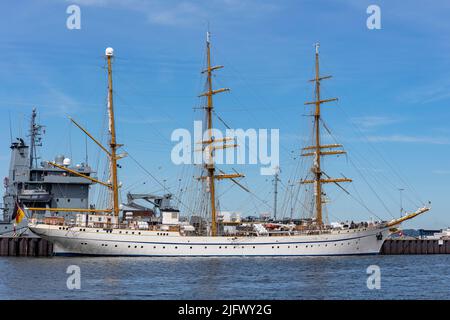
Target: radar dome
<point x="66" y="162"/>
<point x="109" y="51"/>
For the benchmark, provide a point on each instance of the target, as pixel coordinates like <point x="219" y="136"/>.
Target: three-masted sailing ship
<point x="313" y="237"/>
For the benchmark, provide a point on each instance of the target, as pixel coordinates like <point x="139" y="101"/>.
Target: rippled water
<point x="402" y="277"/>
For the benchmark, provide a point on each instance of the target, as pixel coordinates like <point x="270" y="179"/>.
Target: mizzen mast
<point x="318" y="150"/>
<point x="209" y="144"/>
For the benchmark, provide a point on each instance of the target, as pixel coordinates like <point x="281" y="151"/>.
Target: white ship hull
<point x="120" y="242"/>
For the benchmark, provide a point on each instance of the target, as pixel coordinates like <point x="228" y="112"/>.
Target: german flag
<point x="18" y="213"/>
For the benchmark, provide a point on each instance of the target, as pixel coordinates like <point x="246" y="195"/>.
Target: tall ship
<point x="112" y="231"/>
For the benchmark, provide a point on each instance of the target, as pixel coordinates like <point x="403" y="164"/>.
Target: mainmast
<point x="209" y="145"/>
<point x="316" y="150"/>
<point x="109" y="53"/>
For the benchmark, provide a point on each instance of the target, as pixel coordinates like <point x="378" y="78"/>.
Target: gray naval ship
<point x="40" y="185"/>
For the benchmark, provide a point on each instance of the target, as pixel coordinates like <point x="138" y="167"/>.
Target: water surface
<point x="402" y="277"/>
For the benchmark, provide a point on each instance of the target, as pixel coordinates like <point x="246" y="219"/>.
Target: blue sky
<point x="392" y="84"/>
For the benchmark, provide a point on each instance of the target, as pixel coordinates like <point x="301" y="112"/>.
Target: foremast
<point x="209" y="145"/>
<point x="112" y="131"/>
<point x="318" y="150"/>
<point x="113" y="184"/>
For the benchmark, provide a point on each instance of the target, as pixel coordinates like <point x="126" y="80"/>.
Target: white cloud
<point x="441" y="171"/>
<point x="371" y="122"/>
<point x="410" y="139"/>
<point x="176" y="13"/>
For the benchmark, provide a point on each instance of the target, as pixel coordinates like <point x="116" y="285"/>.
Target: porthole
<point x="154" y="247"/>
<point x="176" y="247"/>
<point x="135" y="247"/>
<point x="142" y="247"/>
<point x="115" y="246"/>
<point x="190" y="247"/>
<point x="253" y="247"/>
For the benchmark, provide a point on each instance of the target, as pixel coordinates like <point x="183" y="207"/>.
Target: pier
<point x="25" y="247"/>
<point x="415" y="246"/>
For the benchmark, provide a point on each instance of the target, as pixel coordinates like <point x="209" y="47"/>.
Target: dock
<point x="415" y="246"/>
<point x="25" y="247"/>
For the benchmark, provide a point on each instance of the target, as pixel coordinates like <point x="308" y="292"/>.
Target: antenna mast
<point x="35" y="139"/>
<point x="275" y="193"/>
<point x="316" y="149"/>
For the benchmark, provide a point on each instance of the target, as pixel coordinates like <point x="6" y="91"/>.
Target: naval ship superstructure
<point x="41" y="185"/>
